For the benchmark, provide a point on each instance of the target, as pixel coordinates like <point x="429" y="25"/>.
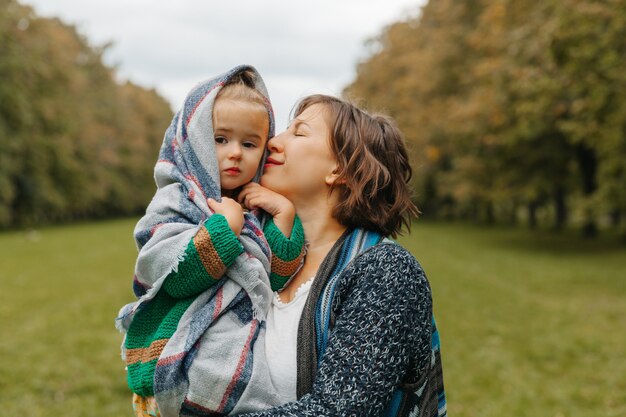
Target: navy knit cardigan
<point x="380" y="341"/>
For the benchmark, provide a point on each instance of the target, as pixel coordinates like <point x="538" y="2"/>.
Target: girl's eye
<point x="250" y="145"/>
<point x="220" y="139"/>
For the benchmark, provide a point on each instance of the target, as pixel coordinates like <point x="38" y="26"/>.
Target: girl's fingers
<point x="248" y="201"/>
<point x="243" y="194"/>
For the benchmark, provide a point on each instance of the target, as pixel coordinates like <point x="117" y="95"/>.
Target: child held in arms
<point x="207" y="269"/>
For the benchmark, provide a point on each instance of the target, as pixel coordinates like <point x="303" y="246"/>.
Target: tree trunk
<point x="560" y="208"/>
<point x="618" y="226"/>
<point x="489" y="213"/>
<point x="588" y="164"/>
<point x="616" y="218"/>
<point x="532" y="215"/>
<point x="473" y="213"/>
<point x="512" y="214"/>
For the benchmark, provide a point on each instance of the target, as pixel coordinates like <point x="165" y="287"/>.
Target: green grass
<point x="531" y="325"/>
<point x="60" y="290"/>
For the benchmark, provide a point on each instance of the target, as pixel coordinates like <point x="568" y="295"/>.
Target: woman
<point x="352" y="333"/>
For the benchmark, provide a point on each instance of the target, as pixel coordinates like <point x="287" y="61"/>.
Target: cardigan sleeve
<point x="287" y="252"/>
<point x="382" y="326"/>
<point x="207" y="256"/>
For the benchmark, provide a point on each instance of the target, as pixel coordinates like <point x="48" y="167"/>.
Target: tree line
<point x="513" y="110"/>
<point x="75" y="143"/>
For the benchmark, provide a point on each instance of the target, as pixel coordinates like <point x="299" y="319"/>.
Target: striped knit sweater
<point x="207" y="256"/>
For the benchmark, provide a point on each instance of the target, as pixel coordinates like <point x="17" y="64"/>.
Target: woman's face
<point x="301" y="164"/>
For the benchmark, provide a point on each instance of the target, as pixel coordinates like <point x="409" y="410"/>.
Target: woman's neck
<point x="321" y="230"/>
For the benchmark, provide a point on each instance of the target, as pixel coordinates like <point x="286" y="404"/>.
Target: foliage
<point x="74" y="142"/>
<point x="509" y="105"/>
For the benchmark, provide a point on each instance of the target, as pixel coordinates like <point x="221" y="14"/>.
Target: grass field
<point x="531" y="325"/>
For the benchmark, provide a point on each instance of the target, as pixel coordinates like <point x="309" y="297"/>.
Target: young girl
<point x="194" y="342"/>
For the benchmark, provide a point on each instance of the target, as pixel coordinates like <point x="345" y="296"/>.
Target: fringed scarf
<point x="207" y="366"/>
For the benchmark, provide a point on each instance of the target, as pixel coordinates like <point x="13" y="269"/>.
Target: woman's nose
<point x="275" y="144"/>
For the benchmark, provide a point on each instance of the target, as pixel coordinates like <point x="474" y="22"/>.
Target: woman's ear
<point x="333" y="177"/>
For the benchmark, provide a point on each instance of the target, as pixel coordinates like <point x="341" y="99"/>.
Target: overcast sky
<point x="299" y="47"/>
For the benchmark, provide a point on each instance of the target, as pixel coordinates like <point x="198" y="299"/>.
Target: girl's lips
<point x="232" y="171"/>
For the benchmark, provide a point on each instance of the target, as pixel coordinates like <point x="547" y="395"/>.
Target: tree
<point x="75" y="142"/>
<point x="509" y="105"/>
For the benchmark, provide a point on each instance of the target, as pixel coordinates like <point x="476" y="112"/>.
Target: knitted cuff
<point x="286" y="248"/>
<point x="287" y="253"/>
<point x="224" y="240"/>
<point x="211" y="251"/>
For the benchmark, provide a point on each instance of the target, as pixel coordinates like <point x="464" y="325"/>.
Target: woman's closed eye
<point x="294" y="126"/>
<point x="301" y="129"/>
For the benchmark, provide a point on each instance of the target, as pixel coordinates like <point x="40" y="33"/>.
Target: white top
<point x="281" y="341"/>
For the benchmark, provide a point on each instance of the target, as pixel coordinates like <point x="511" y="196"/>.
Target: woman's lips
<point x="271" y="162"/>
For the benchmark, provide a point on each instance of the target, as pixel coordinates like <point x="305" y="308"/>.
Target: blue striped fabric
<point x="404" y="402"/>
<point x="358" y="242"/>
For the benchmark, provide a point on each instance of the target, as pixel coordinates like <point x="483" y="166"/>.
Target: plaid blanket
<point x="207" y="366"/>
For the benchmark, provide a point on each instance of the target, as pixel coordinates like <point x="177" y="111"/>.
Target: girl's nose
<point x="235" y="151"/>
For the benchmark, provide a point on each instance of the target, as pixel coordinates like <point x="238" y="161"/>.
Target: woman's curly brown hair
<point x="374" y="170"/>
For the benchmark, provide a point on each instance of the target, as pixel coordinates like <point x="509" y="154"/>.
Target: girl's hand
<point x="255" y="196"/>
<point x="230" y="209"/>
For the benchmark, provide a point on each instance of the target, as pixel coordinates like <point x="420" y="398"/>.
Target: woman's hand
<point x="230" y="209"/>
<point x="255" y="196"/>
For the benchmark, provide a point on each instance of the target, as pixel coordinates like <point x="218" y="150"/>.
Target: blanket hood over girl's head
<point x="186" y="175"/>
<point x="189" y="142"/>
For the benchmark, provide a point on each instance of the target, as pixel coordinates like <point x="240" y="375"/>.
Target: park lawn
<point x="531" y="325"/>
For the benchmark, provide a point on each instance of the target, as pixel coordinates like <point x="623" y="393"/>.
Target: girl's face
<point x="240" y="133"/>
<point x="301" y="164"/>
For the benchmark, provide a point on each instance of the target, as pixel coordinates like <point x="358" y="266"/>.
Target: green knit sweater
<point x="207" y="256"/>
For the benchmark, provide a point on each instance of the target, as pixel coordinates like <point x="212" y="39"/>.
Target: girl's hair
<point x="241" y="88"/>
<point x="373" y="167"/>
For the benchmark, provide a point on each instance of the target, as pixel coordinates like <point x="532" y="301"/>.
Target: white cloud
<point x="299" y="47"/>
